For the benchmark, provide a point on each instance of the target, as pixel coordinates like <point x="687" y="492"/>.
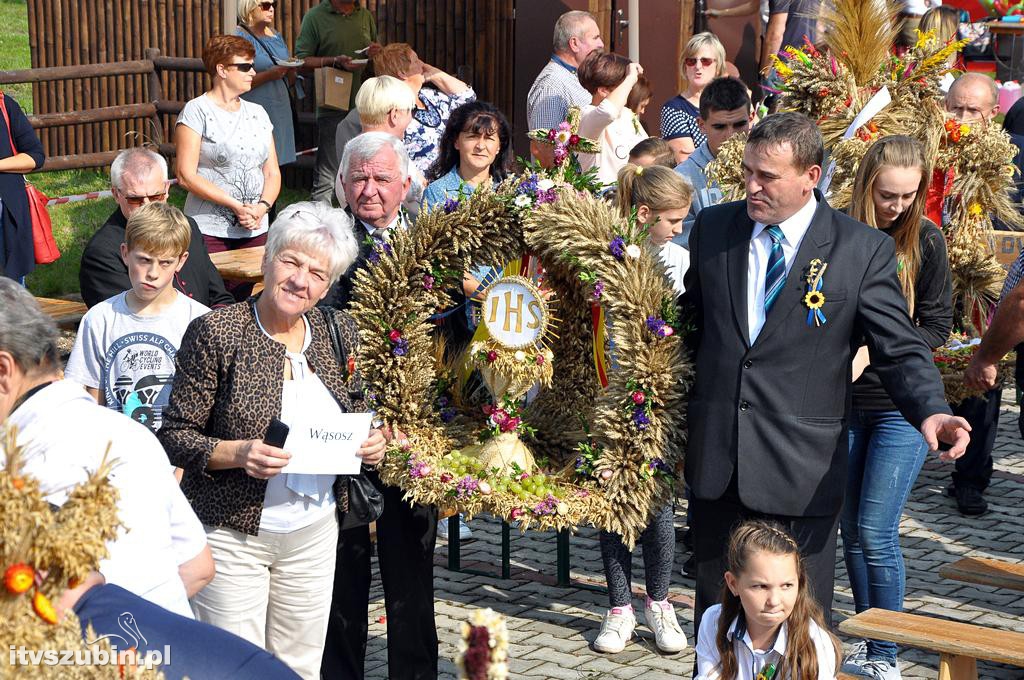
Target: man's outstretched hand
<point x="952" y="430"/>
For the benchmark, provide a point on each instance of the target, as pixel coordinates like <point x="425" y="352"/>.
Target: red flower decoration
<point x="395" y="335"/>
<point x="540" y="359"/>
<point x="638" y="397"/>
<point x="574" y="140"/>
<point x="492" y="356"/>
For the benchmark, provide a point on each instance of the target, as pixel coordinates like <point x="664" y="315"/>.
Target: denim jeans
<point x="886" y="454"/>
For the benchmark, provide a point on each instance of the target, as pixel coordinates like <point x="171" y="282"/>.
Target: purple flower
<point x="373" y="257"/>
<point x="451" y="205"/>
<point x="640" y="419"/>
<point x="659" y="327"/>
<point x="658" y="465"/>
<point x="448" y="414"/>
<point x="548" y="506"/>
<point x="401" y="348"/>
<point x="418" y="469"/>
<point x="528" y="185"/>
<point x="598" y="290"/>
<point x="466" y="487"/>
<point x="617" y="247"/>
<point x="428" y="282"/>
<point x="561" y="153"/>
<point x="442" y="401"/>
<point x="548" y="196"/>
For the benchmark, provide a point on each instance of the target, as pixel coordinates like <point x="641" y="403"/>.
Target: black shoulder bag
<point x="365" y="502"/>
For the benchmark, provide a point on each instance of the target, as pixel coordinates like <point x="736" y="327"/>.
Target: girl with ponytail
<point x="767" y="626"/>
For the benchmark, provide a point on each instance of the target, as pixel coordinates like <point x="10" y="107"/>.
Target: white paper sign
<point x="325" y="443"/>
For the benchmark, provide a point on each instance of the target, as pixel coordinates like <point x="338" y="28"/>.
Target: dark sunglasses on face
<point x="136" y="201"/>
<point x="243" y="67"/>
<point x="704" y="61"/>
<point x="267" y="6"/>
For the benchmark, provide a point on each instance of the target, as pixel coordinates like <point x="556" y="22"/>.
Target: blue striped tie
<point x="775" y="276"/>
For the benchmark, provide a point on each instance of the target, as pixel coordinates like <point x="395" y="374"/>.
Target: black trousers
<point x="405" y="552"/>
<point x="713" y="521"/>
<point x="974" y="468"/>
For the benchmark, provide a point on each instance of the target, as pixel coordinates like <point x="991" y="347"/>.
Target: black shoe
<point x="688" y="540"/>
<point x="951" y="491"/>
<point x="970" y="502"/>
<point x="689" y="569"/>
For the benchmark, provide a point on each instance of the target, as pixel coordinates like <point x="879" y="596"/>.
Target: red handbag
<point x="43" y="243"/>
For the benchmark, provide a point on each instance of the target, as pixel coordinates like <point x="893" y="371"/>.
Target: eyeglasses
<point x="244" y="67"/>
<point x="704" y="61"/>
<point x="267" y="6"/>
<point x="136" y="201"/>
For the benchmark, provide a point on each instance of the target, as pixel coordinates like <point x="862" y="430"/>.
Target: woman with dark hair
<point x="475" y="148"/>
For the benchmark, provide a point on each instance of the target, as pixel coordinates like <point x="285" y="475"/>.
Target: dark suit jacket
<point x="775" y="412"/>
<point x="103" y="273"/>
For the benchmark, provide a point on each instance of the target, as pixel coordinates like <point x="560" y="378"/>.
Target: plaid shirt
<point x="552" y="93"/>
<point x="1013" y="276"/>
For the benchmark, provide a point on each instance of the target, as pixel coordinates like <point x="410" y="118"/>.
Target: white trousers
<point x="274" y="590"/>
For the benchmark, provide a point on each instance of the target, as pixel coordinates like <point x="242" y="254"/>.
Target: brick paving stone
<point x="551" y="628"/>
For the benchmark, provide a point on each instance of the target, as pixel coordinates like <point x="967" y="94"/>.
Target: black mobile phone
<point x="276" y="434"/>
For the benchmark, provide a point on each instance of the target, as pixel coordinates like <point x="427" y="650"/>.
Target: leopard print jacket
<point x="228" y="383"/>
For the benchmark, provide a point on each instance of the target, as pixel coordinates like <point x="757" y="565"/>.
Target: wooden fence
<point x="469" y="37"/>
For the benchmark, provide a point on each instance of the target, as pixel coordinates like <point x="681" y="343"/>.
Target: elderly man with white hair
<point x="272" y="532"/>
<point x="375" y="180"/>
<point x="139" y="176"/>
<point x="383" y="104"/>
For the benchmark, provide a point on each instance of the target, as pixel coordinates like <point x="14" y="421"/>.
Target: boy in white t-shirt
<point x="125" y="348"/>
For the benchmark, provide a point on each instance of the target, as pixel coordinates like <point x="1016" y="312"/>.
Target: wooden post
<point x="156" y="92"/>
<point x="230" y="17"/>
<point x="955" y="667"/>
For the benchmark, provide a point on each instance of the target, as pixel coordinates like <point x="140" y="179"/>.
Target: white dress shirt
<point x="793" y="230"/>
<point x="751" y="661"/>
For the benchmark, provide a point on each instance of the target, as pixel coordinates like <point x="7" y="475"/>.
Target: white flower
<point x="523" y="201"/>
<point x="520" y="355"/>
<point x="549" y="355"/>
<point x="545" y="184"/>
<point x="633" y="250"/>
<point x="562" y="137"/>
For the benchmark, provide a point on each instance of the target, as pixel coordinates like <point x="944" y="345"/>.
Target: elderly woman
<point x="226" y="155"/>
<point x="273" y="534"/>
<point x="703" y="60"/>
<point x="269" y="85"/>
<point x="433" y="104"/>
<point x="609" y="78"/>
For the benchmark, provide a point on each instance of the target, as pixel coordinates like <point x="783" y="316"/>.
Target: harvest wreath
<point x="605" y="455"/>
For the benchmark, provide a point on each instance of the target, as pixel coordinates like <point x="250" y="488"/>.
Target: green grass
<point x="73" y="223"/>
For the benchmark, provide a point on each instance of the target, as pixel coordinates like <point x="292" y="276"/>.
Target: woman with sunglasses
<point x="703" y="61"/>
<point x="270" y="85"/>
<point x="226" y="155"/>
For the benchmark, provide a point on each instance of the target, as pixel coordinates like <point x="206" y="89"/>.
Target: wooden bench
<point x="243" y="264"/>
<point x="66" y="313"/>
<point x="959" y="645"/>
<point x="986" y="572"/>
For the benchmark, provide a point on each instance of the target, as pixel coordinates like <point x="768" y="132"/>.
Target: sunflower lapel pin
<point x="815" y="299"/>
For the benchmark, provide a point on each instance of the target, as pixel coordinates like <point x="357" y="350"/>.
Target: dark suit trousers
<point x="974" y="468"/>
<point x="405" y="552"/>
<point x="713" y="521"/>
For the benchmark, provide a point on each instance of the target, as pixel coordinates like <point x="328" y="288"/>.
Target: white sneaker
<point x="464" y="533"/>
<point x="857" y="655"/>
<point x="877" y="669"/>
<point x="661" y="618"/>
<point x="616" y="630"/>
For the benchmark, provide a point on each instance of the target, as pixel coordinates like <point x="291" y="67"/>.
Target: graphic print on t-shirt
<point x="138" y="370"/>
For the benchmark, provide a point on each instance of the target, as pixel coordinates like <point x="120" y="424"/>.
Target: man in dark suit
<point x="767" y="415"/>
<point x="375" y="178"/>
<point x="139" y="176"/>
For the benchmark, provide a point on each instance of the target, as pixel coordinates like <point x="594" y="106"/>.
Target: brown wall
<point x="472" y="38"/>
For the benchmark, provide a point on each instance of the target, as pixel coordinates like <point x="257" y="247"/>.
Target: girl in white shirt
<point x="662" y="200"/>
<point x="767" y="627"/>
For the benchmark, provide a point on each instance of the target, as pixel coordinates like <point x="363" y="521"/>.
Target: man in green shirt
<point x="330" y="35"/>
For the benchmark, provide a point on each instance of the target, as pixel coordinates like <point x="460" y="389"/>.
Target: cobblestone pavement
<point x="551" y="628"/>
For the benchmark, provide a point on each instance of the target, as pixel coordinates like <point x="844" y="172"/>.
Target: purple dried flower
<point x="401" y="348"/>
<point x="640" y="419"/>
<point x="655" y="325"/>
<point x="528" y="185"/>
<point x="451" y="205"/>
<point x="466" y="487"/>
<point x="617" y="247"/>
<point x="561" y="153"/>
<point x="428" y="282"/>
<point x="448" y="414"/>
<point x="598" y="290"/>
<point x="548" y="506"/>
<point x="418" y="469"/>
<point x="659" y="465"/>
<point x="373" y="257"/>
<point x="548" y="196"/>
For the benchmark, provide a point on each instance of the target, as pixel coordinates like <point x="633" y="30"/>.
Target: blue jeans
<point x="886" y="454"/>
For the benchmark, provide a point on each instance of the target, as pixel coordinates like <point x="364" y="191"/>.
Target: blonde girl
<point x="768" y="625"/>
<point x="885" y="451"/>
<point x="662" y="199"/>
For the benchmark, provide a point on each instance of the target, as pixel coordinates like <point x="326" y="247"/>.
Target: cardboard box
<point x="333" y="88"/>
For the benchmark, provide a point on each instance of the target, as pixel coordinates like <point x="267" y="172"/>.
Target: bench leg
<point x="506" y="551"/>
<point x="563" y="558"/>
<point x="956" y="667"/>
<point x="454" y="544"/>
